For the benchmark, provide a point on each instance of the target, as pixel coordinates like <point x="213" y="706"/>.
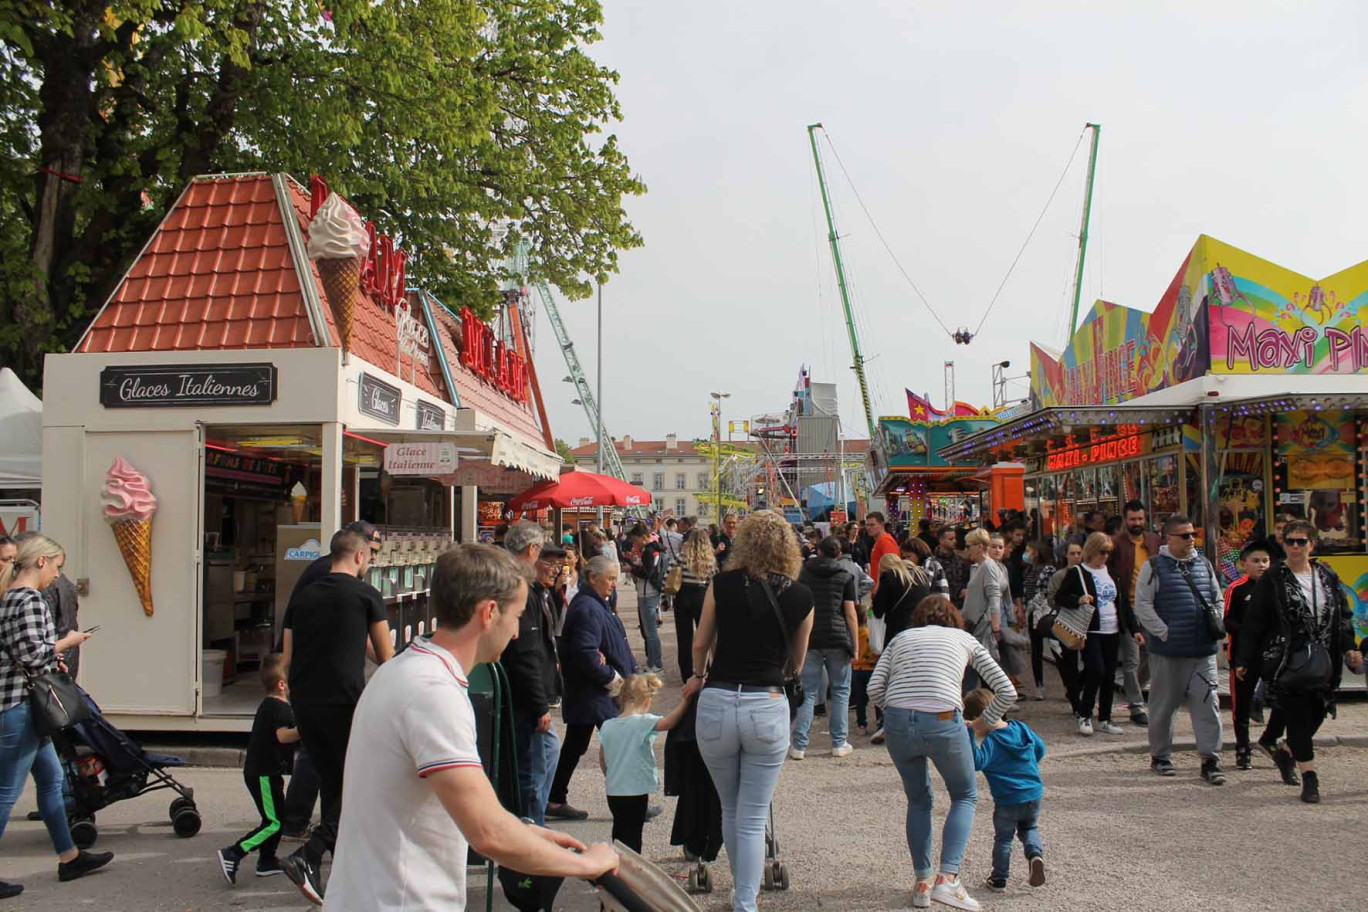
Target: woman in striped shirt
<point x="918" y="684"/>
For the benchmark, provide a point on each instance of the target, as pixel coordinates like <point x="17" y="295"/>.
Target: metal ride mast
<point x="1083" y="231"/>
<point x="858" y="358"/>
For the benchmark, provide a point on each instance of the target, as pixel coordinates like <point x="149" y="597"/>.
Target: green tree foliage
<point x="563" y="449"/>
<point x="460" y="127"/>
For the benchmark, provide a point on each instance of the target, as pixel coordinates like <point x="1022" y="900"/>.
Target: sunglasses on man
<point x="1183" y="535"/>
<point x="1297" y="542"/>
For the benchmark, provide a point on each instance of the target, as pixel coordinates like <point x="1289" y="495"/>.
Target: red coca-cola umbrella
<point x="579" y="489"/>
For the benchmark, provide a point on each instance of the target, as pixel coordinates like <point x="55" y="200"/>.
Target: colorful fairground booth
<point x="261" y="376"/>
<point x="920" y="483"/>
<point x="1241" y="401"/>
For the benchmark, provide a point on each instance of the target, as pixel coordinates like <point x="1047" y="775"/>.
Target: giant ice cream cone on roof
<point x="129" y="506"/>
<point x="338" y="243"/>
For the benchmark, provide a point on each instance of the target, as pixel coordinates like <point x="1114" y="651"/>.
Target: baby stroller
<point x="103" y="765"/>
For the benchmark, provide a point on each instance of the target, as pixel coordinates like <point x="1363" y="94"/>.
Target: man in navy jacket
<point x="594" y="661"/>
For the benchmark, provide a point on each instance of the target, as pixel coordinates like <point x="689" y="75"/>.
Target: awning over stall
<point x="1034" y="433"/>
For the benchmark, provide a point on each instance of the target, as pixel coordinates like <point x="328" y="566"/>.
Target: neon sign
<point x="490" y="359"/>
<point x="1126" y="443"/>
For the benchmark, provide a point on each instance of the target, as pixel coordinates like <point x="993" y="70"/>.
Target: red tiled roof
<point x="217" y="274"/>
<point x="651" y="448"/>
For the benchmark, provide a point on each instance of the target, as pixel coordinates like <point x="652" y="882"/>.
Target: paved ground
<point x="1116" y="837"/>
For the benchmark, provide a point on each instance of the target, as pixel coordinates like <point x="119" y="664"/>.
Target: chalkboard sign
<point x="430" y="417"/>
<point x="184" y="385"/>
<point x="380" y="400"/>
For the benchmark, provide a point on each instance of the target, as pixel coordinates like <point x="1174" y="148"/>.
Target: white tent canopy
<point x="21" y="434"/>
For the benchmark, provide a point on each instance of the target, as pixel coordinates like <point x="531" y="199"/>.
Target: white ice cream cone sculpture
<point x="338" y="243"/>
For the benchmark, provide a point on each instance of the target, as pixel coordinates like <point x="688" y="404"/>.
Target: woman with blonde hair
<point x="698" y="564"/>
<point x="1091" y="586"/>
<point x="29" y="646"/>
<point x="983" y="600"/>
<point x="752" y="636"/>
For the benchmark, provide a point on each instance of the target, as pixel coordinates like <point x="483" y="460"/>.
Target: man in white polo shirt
<point x="415" y="792"/>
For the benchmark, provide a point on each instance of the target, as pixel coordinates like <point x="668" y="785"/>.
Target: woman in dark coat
<point x="595" y="659"/>
<point x="1298" y="609"/>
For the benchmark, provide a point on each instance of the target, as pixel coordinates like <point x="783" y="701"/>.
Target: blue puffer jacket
<point x="1166" y="607"/>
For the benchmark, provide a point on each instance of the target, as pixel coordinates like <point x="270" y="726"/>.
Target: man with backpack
<point x="647" y="567"/>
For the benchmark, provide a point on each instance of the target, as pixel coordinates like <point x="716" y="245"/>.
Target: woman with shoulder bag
<point x="1298" y="630"/>
<point x="751" y="638"/>
<point x="1091" y="588"/>
<point x="31" y="648"/>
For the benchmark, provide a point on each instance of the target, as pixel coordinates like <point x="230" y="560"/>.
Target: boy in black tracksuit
<point x="1254" y="561"/>
<point x="270" y="756"/>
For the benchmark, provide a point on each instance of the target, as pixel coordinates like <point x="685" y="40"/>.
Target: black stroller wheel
<point x="84" y="832"/>
<point x="187" y="822"/>
<point x="704" y="879"/>
<point x="177" y="805"/>
<point x="767" y="877"/>
<point x="782" y="881"/>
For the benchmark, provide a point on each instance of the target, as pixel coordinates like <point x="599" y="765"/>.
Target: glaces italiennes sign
<point x="183" y="385"/>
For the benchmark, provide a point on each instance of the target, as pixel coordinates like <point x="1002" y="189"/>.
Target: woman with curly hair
<point x="918" y="684"/>
<point x="753" y="633"/>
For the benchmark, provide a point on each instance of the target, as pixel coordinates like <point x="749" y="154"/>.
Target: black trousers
<point x="1100" y="653"/>
<point x="1038" y="656"/>
<point x="629" y="818"/>
<point x="1300" y="716"/>
<point x="301" y="796"/>
<point x="268" y="792"/>
<point x="577" y="738"/>
<point x="1241" y="702"/>
<point x="325" y="731"/>
<point x="1069" y="666"/>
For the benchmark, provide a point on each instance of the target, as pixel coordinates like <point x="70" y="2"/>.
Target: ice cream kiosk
<point x="241" y="396"/>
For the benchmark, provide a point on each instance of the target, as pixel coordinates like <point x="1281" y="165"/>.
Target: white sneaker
<point x="845" y="750"/>
<point x="1110" y="728"/>
<point x="952" y="893"/>
<point x="921" y="894"/>
<point x="796" y="754"/>
<point x="1085" y="727"/>
<point x="1040" y="693"/>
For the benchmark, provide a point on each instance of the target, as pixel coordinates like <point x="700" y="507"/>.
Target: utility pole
<point x="1083" y="231"/>
<point x="841" y="283"/>
<point x="717" y="450"/>
<point x="598" y="431"/>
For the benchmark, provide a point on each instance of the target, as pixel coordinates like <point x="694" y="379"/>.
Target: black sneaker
<point x="268" y="867"/>
<point x="1287" y="767"/>
<point x="996" y="884"/>
<point x="304" y="876"/>
<point x="82" y="865"/>
<point x="9" y="890"/>
<point x="1244" y="759"/>
<point x="1140" y="717"/>
<point x="1212" y="772"/>
<point x="565" y="812"/>
<point x="1310" y="792"/>
<point x="229" y="859"/>
<point x="1162" y="766"/>
<point x="1037" y="878"/>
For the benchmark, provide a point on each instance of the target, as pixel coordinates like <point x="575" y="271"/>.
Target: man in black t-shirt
<point x="326" y="630"/>
<point x="303" y="791"/>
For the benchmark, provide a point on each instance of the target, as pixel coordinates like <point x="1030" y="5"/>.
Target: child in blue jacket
<point x="1009" y="754"/>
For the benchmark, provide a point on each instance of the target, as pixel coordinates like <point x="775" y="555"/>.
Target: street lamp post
<point x="717" y="449"/>
<point x="598" y="431"/>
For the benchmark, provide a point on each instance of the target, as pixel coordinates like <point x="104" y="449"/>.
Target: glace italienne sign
<point x="183" y="385"/>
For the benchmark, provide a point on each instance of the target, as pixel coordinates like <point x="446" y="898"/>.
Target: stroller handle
<point x="617" y="888"/>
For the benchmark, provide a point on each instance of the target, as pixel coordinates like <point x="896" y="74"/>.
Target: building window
<point x="658" y="481"/>
<point x="703" y="510"/>
<point x="636" y="478"/>
<point x="680" y="506"/>
<point x="681" y="481"/>
<point x="704" y="481"/>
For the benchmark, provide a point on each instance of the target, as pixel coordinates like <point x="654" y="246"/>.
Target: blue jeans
<point x="837" y="665"/>
<point x="538" y="754"/>
<point x="913" y="739"/>
<point x="1020" y="820"/>
<point x="743" y="738"/>
<point x="649" y="615"/>
<point x="22" y="750"/>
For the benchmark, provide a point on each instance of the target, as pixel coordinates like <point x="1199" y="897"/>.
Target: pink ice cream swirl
<point x="126" y="494"/>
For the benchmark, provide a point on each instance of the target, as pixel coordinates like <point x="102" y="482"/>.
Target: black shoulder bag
<point x="793" y="682"/>
<point x="55" y="702"/>
<point x="1309" y="669"/>
<point x="1215" y="621"/>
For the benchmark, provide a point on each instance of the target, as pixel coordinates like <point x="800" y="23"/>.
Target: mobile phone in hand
<point x="91" y="629"/>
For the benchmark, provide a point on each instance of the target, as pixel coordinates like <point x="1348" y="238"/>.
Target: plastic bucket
<point x="212" y="677"/>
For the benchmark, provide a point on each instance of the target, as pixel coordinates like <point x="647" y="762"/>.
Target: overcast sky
<point x="1239" y="120"/>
